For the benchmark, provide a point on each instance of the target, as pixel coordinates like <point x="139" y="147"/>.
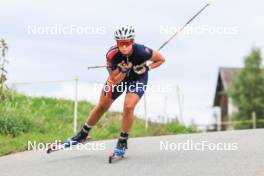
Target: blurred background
<point x="51" y="44"/>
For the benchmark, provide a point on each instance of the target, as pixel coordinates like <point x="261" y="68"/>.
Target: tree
<point x="247" y="91"/>
<point x="3" y="62"/>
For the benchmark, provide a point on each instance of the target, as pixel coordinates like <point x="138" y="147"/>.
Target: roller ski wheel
<point x="117" y="154"/>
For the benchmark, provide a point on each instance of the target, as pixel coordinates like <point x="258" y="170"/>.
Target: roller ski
<point x="80" y="138"/>
<point x="60" y="146"/>
<point x="120" y="149"/>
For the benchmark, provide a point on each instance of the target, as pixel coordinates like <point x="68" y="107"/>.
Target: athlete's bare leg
<point x="98" y="111"/>
<point x="130" y="103"/>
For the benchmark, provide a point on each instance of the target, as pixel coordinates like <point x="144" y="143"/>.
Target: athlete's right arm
<point x="117" y="71"/>
<point x="117" y="75"/>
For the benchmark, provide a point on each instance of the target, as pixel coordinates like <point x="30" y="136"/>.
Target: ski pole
<point x="184" y="26"/>
<point x="100" y="66"/>
<point x="174" y="34"/>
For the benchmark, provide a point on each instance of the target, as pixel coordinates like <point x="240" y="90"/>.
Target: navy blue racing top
<point x="139" y="56"/>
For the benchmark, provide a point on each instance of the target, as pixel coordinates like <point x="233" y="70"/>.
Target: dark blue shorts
<point x="137" y="86"/>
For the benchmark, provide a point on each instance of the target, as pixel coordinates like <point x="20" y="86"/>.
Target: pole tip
<point x="209" y="2"/>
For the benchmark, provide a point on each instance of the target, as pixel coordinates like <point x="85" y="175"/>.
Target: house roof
<point x="226" y="76"/>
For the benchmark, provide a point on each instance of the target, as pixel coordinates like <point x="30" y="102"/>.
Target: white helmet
<point x="124" y="32"/>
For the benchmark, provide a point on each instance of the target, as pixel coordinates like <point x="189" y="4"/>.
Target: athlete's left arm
<point x="157" y="60"/>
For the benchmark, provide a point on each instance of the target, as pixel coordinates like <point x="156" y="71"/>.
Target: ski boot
<point x="80" y="137"/>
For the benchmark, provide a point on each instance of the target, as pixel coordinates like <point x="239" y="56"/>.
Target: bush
<point x="14" y="125"/>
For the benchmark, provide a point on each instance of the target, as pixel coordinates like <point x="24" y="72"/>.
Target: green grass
<point x="43" y="119"/>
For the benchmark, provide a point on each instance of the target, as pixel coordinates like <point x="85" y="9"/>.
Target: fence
<point x="229" y="125"/>
<point x="167" y="105"/>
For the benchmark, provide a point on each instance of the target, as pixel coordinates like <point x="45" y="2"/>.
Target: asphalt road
<point x="231" y="153"/>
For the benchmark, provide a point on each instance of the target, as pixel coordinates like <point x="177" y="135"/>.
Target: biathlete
<point x="128" y="68"/>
